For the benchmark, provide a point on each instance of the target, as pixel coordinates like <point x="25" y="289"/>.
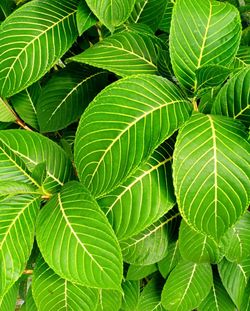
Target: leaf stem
<point x="194" y="102"/>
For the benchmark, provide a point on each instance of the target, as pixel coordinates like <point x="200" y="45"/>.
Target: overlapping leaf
<point x="211" y="173"/>
<point x="8" y="301"/>
<point x="109" y="300"/>
<point x="202" y="33"/>
<point x="243" y="57"/>
<point x="6" y="112"/>
<point x="72" y="223"/>
<point x="25" y="56"/>
<point x="167" y="264"/>
<point x="167" y="16"/>
<point x="6" y="8"/>
<point x="131" y="293"/>
<point x="54" y="293"/>
<point x="122" y="127"/>
<point x="187" y="285"/>
<point x="233" y="99"/>
<point x="21" y="151"/>
<point x="136" y="272"/>
<point x="125" y="53"/>
<point x="84" y="17"/>
<point x="17" y="227"/>
<point x="29" y="304"/>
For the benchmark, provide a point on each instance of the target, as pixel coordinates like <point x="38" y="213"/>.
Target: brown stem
<point x="28" y="271"/>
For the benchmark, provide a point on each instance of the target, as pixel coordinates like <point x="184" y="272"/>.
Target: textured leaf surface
<point x="218" y="298"/>
<point x="27" y="56"/>
<point x="167" y="264"/>
<point x="109" y="146"/>
<point x="66" y="95"/>
<point x="167" y="16"/>
<point x="17" y="228"/>
<point x="246" y="299"/>
<point x="21" y="151"/>
<point x="111" y="13"/>
<point x="202" y="33"/>
<point x="243" y="57"/>
<point x="54" y="293"/>
<point x="16" y="187"/>
<point x="139" y="272"/>
<point x="8" y="301"/>
<point x="197" y="247"/>
<point x="87" y="234"/>
<point x="25" y="104"/>
<point x="144" y="197"/>
<point x="109" y="300"/>
<point x="211" y="173"/>
<point x="131" y="293"/>
<point x="125" y="54"/>
<point x="187" y="285"/>
<point x="233" y="99"/>
<point x="29" y="304"/>
<point x="6" y="112"/>
<point x="84" y="17"/>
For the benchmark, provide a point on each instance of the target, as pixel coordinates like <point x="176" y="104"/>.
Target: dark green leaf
<point x="131" y="293"/>
<point x="167" y="16"/>
<point x="84" y="17"/>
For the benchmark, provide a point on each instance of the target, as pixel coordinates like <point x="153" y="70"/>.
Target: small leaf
<point x="187" y="285"/>
<point x="84" y="17"/>
<point x="167" y="264"/>
<point x="139" y="272"/>
<point x="167" y="16"/>
<point x="131" y="290"/>
<point x="109" y="300"/>
<point x="211" y="173"/>
<point x="8" y="301"/>
<point x="54" y="293"/>
<point x="6" y="112"/>
<point x="97" y="261"/>
<point x="39" y="172"/>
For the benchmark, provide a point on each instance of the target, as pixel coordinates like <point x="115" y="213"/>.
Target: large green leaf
<point x="131" y="293"/>
<point x="8" y="301"/>
<point x="187" y="285"/>
<point x="111" y="13"/>
<point x="233" y="99"/>
<point x="25" y="104"/>
<point x="25" y="56"/>
<point x="72" y="223"/>
<point x="167" y="264"/>
<point x="17" y="227"/>
<point x="125" y="53"/>
<point x="198" y="247"/>
<point x="202" y="33"/>
<point x="21" y="151"/>
<point x="51" y="292"/>
<point x="122" y="127"/>
<point x="67" y="94"/>
<point x="211" y="173"/>
<point x="218" y="298"/>
<point x="144" y="197"/>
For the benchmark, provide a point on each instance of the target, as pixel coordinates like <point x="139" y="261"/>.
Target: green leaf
<point x="27" y="56"/>
<point x="139" y="272"/>
<point x="245" y="305"/>
<point x="8" y="301"/>
<point x="125" y="53"/>
<point x="86" y="234"/>
<point x="6" y="112"/>
<point x="131" y="293"/>
<point x="243" y="57"/>
<point x="202" y="33"/>
<point x="6" y="8"/>
<point x="167" y="16"/>
<point x="164" y="64"/>
<point x="39" y="172"/>
<point x="29" y="304"/>
<point x="84" y="17"/>
<point x="234" y="277"/>
<point x="211" y="173"/>
<point x="17" y="218"/>
<point x="109" y="300"/>
<point x="167" y="264"/>
<point x="25" y="104"/>
<point x="150" y="245"/>
<point x="54" y="293"/>
<point x="25" y="150"/>
<point x="111" y="13"/>
<point x="207" y="100"/>
<point x="150" y="298"/>
<point x="218" y="298"/>
<point x="233" y="99"/>
<point x="198" y="247"/>
<point x="67" y="94"/>
<point x="187" y="285"/>
<point x="135" y="133"/>
<point x="144" y="197"/>
<point x="145" y="12"/>
<point x="16" y="187"/>
<point x="237" y="239"/>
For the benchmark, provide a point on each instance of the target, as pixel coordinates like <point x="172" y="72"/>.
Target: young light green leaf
<point x="125" y="54"/>
<point x="67" y="94"/>
<point x="202" y="33"/>
<point x="233" y="99"/>
<point x="84" y="17"/>
<point x="234" y="277"/>
<point x="198" y="247"/>
<point x="109" y="300"/>
<point x="131" y="293"/>
<point x="218" y="298"/>
<point x="27" y="56"/>
<point x="144" y="197"/>
<point x="97" y="260"/>
<point x="111" y="13"/>
<point x="139" y="104"/>
<point x="139" y="272"/>
<point x="25" y="150"/>
<point x="187" y="285"/>
<point x="6" y="112"/>
<point x="8" y="301"/>
<point x="167" y="16"/>
<point x="167" y="264"/>
<point x="25" y="104"/>
<point x="54" y="293"/>
<point x="211" y="173"/>
<point x="17" y="218"/>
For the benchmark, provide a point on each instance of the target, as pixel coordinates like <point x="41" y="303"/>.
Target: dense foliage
<point x="124" y="155"/>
